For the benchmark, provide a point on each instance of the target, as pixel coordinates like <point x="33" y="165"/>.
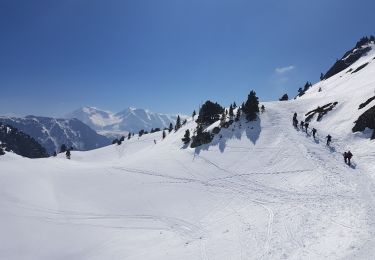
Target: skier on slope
<point x="345" y="154"/>
<point x="329" y="139"/>
<point x="67" y="154"/>
<point x="349" y="156"/>
<point x="295" y="121"/>
<point x="313" y="132"/>
<point x="306" y="126"/>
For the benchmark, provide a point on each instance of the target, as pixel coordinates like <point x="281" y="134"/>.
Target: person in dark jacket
<point x="306" y="126"/>
<point x="329" y="139"/>
<point x="345" y="154"/>
<point x="313" y="132"/>
<point x="302" y="124"/>
<point x="67" y="154"/>
<point x="295" y="121"/>
<point x="349" y="156"/>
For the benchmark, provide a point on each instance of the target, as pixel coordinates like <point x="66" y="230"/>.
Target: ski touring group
<point x="304" y="126"/>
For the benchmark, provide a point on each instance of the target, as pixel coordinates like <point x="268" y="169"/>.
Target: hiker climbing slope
<point x="345" y="154"/>
<point x="306" y="126"/>
<point x="295" y="120"/>
<point x="302" y="124"/>
<point x="313" y="132"/>
<point x="349" y="156"/>
<point x="329" y="139"/>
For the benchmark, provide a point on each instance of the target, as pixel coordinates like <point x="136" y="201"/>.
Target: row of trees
<point x="211" y="112"/>
<point x="142" y="132"/>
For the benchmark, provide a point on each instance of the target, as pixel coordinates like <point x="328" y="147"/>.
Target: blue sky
<point x="167" y="55"/>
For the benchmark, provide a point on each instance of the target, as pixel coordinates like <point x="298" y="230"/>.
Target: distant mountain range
<point x="51" y="133"/>
<point x="128" y="120"/>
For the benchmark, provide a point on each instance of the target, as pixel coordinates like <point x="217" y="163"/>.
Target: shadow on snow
<point x="237" y="130"/>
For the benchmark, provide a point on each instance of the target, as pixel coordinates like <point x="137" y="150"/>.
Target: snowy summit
<point x="128" y="120"/>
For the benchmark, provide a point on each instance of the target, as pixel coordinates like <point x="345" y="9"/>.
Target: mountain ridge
<point x="51" y="133"/>
<point x="128" y="120"/>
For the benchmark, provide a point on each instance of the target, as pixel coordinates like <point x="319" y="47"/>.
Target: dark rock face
<point x="367" y="119"/>
<point x="368" y="101"/>
<point x="360" y="67"/>
<point x="20" y="143"/>
<point x="51" y="133"/>
<point x="321" y="111"/>
<point x="350" y="57"/>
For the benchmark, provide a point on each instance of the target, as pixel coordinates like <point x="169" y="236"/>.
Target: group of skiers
<point x="305" y="125"/>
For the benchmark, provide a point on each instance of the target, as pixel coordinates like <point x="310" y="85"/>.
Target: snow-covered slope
<point x="259" y="190"/>
<point x="129" y="120"/>
<point x="51" y="133"/>
<point x="350" y="88"/>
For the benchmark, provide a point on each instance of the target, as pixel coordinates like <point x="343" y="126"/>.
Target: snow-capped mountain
<point x="51" y="133"/>
<point x="128" y="120"/>
<point x="94" y="117"/>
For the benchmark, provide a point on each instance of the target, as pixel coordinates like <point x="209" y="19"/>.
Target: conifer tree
<point x="194" y="114"/>
<point x="63" y="148"/>
<point x="199" y="129"/>
<point x="234" y="105"/>
<point x="186" y="139"/>
<point x="231" y="114"/>
<point x="164" y="134"/>
<point x="209" y="113"/>
<point x="307" y="86"/>
<point x="170" y="127"/>
<point x="223" y="118"/>
<point x="251" y="107"/>
<point x="2" y="151"/>
<point x="284" y="97"/>
<point x="129" y="135"/>
<point x="238" y="115"/>
<point x="178" y="123"/>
